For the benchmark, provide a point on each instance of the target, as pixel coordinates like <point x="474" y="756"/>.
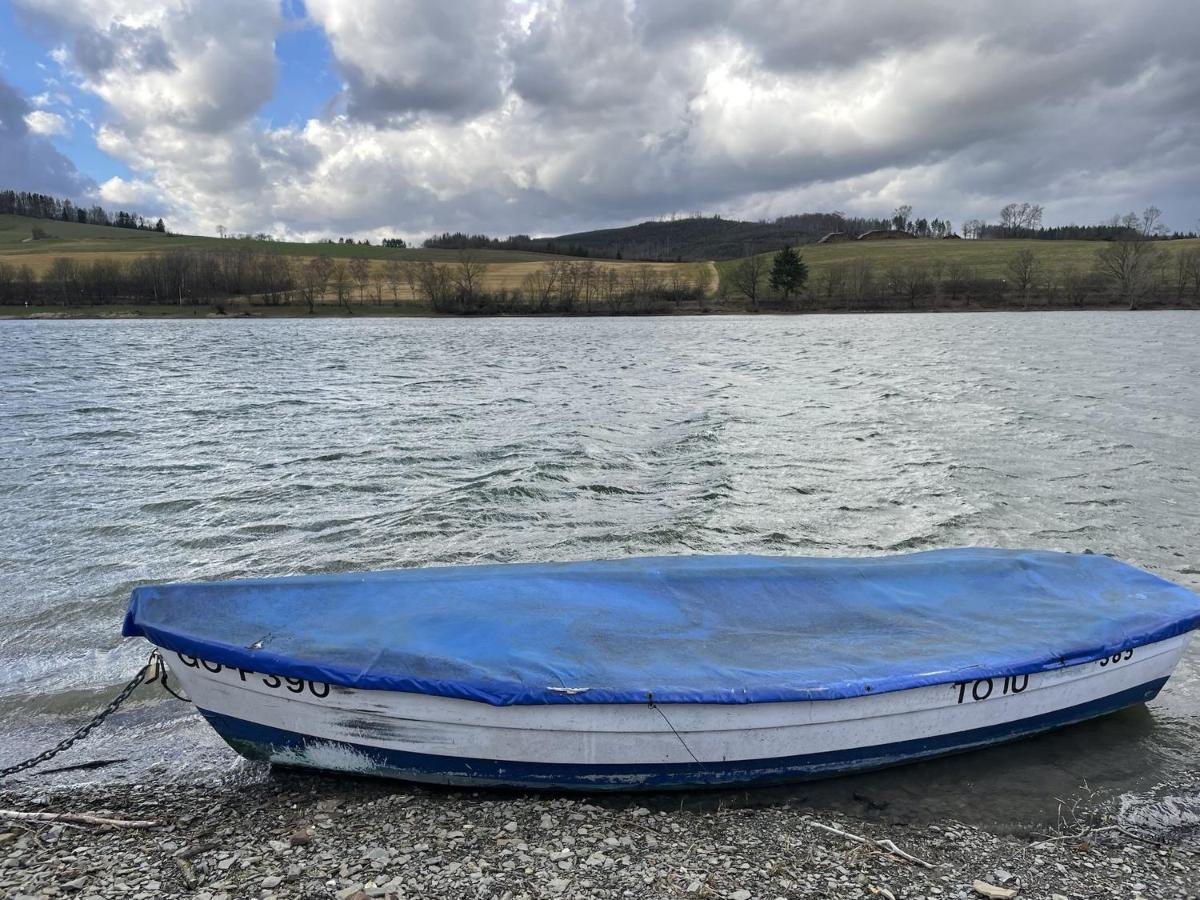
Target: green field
<point x="983" y="259"/>
<point x="74" y="240"/>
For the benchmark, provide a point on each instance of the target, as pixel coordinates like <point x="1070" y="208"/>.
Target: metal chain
<point x="154" y="668"/>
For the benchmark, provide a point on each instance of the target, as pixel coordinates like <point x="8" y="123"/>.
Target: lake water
<point x="133" y="452"/>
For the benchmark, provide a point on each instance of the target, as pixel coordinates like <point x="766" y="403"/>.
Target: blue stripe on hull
<point x="262" y="742"/>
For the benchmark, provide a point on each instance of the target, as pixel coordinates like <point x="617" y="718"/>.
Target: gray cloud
<point x="28" y="161"/>
<point x="404" y="59"/>
<point x="553" y="116"/>
<point x="139" y="49"/>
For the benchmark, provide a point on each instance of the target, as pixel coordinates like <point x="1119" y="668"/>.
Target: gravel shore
<point x="298" y="836"/>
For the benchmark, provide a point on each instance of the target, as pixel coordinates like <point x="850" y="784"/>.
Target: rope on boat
<point x="657" y="709"/>
<point x="154" y="670"/>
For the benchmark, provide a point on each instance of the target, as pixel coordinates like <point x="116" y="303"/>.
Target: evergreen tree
<point x="788" y="272"/>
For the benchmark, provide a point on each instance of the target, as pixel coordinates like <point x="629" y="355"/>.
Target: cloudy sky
<point x="378" y="117"/>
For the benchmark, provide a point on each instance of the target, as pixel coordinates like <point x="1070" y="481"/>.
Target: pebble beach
<point x="302" y="836"/>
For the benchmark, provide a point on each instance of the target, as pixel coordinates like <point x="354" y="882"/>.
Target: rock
<point x="76" y="884"/>
<point x="271" y="882"/>
<point x="992" y="892"/>
<point x="1002" y="875"/>
<point x="742" y="894"/>
<point x="350" y="892"/>
<point x="300" y="838"/>
<point x="1057" y="897"/>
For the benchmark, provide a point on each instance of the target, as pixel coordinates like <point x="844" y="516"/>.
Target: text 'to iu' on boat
<point x="665" y="672"/>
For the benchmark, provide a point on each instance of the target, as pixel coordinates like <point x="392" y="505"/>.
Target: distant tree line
<point x="212" y="276"/>
<point x="394" y="242"/>
<point x="180" y="276"/>
<point x="1024" y="220"/>
<point x="460" y="241"/>
<point x="43" y="206"/>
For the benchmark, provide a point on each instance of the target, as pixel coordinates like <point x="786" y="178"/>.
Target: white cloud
<point x="46" y="123"/>
<point x="199" y="66"/>
<point x="548" y="116"/>
<point x="134" y="192"/>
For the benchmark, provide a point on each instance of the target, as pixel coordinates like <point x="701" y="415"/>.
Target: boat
<point x="673" y="672"/>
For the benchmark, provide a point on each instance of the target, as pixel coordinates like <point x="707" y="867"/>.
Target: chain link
<point x="154" y="668"/>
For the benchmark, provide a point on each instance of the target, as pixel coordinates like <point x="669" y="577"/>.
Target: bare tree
<point x="393" y="273"/>
<point x="378" y="279"/>
<point x="1129" y="264"/>
<point x="678" y="285"/>
<point x="542" y="287"/>
<point x="341" y="280"/>
<point x="1151" y="223"/>
<point x="589" y="284"/>
<point x="900" y="217"/>
<point x="831" y="282"/>
<point x="749" y="277"/>
<point x="1187" y="273"/>
<point x="1019" y="218"/>
<point x="1023" y="268"/>
<point x="973" y="228"/>
<point x="958" y="278"/>
<point x="860" y="279"/>
<point x="412" y="273"/>
<point x="63" y="274"/>
<point x="435" y="283"/>
<point x="360" y="271"/>
<point x="469" y="272"/>
<point x="911" y="282"/>
<point x="610" y="290"/>
<point x="304" y="286"/>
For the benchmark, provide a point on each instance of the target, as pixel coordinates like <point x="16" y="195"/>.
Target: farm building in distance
<point x="835" y="237"/>
<point x="881" y="235"/>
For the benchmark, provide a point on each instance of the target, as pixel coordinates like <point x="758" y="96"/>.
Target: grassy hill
<point x="984" y="259"/>
<point x="16" y="233"/>
<point x="505" y="269"/>
<point x="985" y="264"/>
<point x="83" y="241"/>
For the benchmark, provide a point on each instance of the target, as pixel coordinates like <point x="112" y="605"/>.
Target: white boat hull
<point x="593" y="746"/>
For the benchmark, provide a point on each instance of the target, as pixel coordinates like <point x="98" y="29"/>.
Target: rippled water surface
<point x="143" y="451"/>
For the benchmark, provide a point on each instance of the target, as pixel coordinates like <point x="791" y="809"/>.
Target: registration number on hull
<point x="984" y="688"/>
<point x="318" y="689"/>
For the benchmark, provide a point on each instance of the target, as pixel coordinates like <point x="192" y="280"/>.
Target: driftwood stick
<point x="79" y="818"/>
<point x="886" y="846"/>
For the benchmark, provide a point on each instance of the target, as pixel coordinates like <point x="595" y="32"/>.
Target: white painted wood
<point x="590" y="733"/>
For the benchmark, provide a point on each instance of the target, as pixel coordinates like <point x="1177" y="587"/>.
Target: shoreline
<point x="43" y="314"/>
<point x="300" y="835"/>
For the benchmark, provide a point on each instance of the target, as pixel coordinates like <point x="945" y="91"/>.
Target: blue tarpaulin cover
<point x="693" y="629"/>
